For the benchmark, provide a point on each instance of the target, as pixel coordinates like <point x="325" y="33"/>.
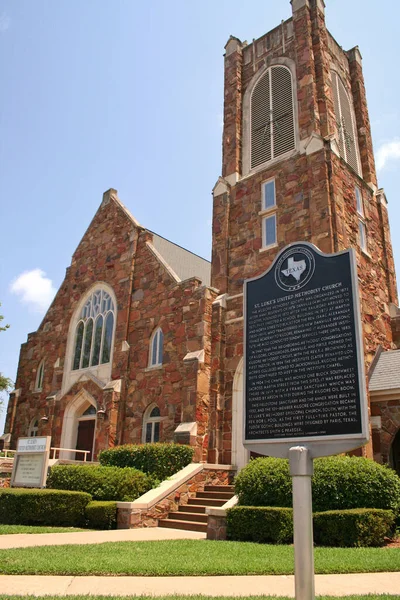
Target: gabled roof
<point x="386" y="374"/>
<point x="183" y="262"/>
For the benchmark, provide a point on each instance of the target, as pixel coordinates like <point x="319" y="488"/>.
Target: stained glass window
<point x="94" y="331"/>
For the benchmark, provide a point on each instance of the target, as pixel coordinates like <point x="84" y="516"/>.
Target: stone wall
<point x="130" y="518"/>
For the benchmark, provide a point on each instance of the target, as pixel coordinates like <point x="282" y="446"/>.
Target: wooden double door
<point x="85" y="438"/>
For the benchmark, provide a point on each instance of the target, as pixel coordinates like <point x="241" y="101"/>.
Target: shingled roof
<point x="386" y="374"/>
<point x="183" y="262"/>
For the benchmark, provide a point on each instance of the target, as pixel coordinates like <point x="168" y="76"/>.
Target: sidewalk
<point x="24" y="540"/>
<point x="280" y="585"/>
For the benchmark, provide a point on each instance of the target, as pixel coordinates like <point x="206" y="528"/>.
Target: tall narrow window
<point x="33" y="427"/>
<point x="362" y="230"/>
<point x="151" y="425"/>
<point x="268" y="212"/>
<point x="94" y="332"/>
<point x="39" y="376"/>
<point x="156" y="348"/>
<point x="348" y="143"/>
<point x="272" y="116"/>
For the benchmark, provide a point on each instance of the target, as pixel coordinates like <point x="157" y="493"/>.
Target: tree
<point x="5" y="382"/>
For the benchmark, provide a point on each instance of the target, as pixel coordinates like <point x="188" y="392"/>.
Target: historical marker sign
<point x="304" y="364"/>
<point x="31" y="462"/>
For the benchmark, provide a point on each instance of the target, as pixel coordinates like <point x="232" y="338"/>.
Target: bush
<point x="101" y="515"/>
<point x="260" y="524"/>
<point x="339" y="483"/>
<point x="354" y="527"/>
<point x="265" y="482"/>
<point x="272" y="525"/>
<point x="103" y="483"/>
<point x="160" y="460"/>
<point x="42" y="507"/>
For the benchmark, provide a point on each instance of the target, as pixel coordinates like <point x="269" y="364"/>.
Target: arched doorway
<point x="79" y="426"/>
<point x="240" y="456"/>
<point x="395" y="453"/>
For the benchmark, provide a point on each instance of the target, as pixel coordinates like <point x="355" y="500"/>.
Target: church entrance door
<point x="85" y="438"/>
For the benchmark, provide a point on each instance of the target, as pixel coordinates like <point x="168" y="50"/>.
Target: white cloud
<point x="34" y="289"/>
<point x="387" y="152"/>
<point x="4" y="22"/>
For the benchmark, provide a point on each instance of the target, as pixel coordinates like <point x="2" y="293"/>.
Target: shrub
<point x="339" y="482"/>
<point x="265" y="482"/>
<point x="260" y="524"/>
<point x="101" y="515"/>
<point x="103" y="483"/>
<point x="160" y="460"/>
<point x="354" y="527"/>
<point x="42" y="507"/>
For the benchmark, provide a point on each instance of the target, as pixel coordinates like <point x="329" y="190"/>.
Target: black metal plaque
<point x="302" y="376"/>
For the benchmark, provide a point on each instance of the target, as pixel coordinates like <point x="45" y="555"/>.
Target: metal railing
<point x="9" y="454"/>
<point x="74" y="450"/>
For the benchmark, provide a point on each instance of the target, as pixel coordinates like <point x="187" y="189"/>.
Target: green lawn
<point x="7" y="529"/>
<point x="201" y="557"/>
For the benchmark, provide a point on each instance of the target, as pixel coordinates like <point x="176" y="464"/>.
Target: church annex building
<point x="144" y="340"/>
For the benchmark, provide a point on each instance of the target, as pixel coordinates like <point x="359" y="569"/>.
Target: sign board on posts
<point x="304" y="374"/>
<point x="304" y="363"/>
<point x="31" y="462"/>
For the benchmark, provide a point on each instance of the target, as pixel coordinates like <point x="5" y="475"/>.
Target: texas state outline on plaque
<point x="295" y="268"/>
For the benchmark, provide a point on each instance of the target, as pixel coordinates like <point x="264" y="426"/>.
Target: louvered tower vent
<point x="272" y="116"/>
<point x="348" y="143"/>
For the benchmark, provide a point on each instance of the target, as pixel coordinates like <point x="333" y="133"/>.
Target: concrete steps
<point x="192" y="516"/>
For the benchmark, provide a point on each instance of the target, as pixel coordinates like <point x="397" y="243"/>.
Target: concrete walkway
<point x="24" y="540"/>
<point x="268" y="585"/>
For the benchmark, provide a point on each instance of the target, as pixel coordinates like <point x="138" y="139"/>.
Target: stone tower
<point x="298" y="165"/>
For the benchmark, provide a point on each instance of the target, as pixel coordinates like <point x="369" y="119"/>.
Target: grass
<point x="196" y="597"/>
<point x="7" y="529"/>
<point x="189" y="557"/>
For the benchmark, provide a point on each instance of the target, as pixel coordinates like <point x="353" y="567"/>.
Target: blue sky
<point x="129" y="95"/>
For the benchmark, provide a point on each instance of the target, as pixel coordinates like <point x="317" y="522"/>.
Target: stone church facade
<point x="144" y="340"/>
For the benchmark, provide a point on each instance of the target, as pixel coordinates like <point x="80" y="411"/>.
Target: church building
<point x="144" y="340"/>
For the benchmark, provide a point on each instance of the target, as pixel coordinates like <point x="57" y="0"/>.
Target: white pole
<point x="301" y="470"/>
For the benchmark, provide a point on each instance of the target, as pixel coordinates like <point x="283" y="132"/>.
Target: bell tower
<point x="297" y="165"/>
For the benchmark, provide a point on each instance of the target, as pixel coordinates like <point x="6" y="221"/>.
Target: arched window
<point x="94" y="331"/>
<point x="156" y="348"/>
<point x="39" y="376"/>
<point x="151" y="425"/>
<point x="272" y="116"/>
<point x="33" y="427"/>
<point x="348" y="143"/>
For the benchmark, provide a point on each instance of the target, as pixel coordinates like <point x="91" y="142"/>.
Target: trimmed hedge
<point x="354" y="527"/>
<point x="273" y="525"/>
<point x="101" y="515"/>
<point x="270" y="525"/>
<point x="339" y="483"/>
<point x="42" y="507"/>
<point x="103" y="483"/>
<point x="160" y="460"/>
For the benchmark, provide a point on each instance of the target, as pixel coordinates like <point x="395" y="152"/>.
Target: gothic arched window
<point x="33" y="427"/>
<point x="39" y="376"/>
<point x="272" y="116"/>
<point x="156" y="348"/>
<point x="151" y="425"/>
<point x="348" y="143"/>
<point x="94" y="331"/>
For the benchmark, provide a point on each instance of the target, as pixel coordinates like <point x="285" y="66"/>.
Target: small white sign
<point x="32" y="444"/>
<point x="29" y="470"/>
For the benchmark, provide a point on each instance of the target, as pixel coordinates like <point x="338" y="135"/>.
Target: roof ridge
<point x="178" y="246"/>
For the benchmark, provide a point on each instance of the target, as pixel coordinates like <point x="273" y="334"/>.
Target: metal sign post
<point x="304" y="378"/>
